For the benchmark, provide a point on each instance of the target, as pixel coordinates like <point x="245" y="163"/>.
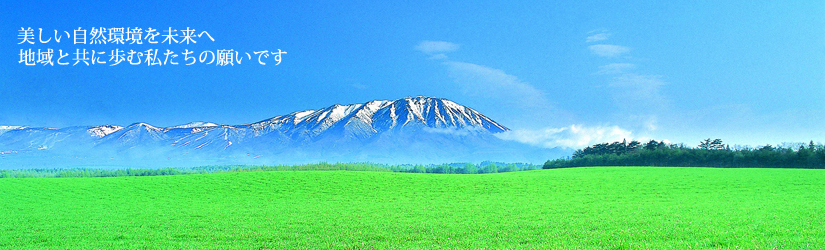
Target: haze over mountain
<point x="412" y="130"/>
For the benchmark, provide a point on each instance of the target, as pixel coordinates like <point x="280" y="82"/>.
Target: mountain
<point x="409" y="130"/>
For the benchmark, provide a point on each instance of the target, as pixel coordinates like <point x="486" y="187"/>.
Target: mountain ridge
<point x="407" y="130"/>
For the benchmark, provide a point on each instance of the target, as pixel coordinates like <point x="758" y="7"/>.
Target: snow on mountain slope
<point x="137" y="134"/>
<point x="11" y="127"/>
<point x="412" y="129"/>
<point x="193" y="125"/>
<point x="364" y="120"/>
<point x="104" y="130"/>
<point x="3" y="129"/>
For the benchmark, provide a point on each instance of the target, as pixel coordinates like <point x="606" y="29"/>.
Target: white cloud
<point x="482" y="81"/>
<point x="598" y="37"/>
<point x="639" y="99"/>
<point x="574" y="136"/>
<point x="615" y="68"/>
<point x="436" y="47"/>
<point x="608" y="50"/>
<point x="644" y="89"/>
<point x="493" y="91"/>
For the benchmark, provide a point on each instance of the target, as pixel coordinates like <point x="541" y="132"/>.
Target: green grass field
<point x="577" y="208"/>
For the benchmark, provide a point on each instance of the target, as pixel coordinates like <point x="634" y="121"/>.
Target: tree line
<point x="452" y="168"/>
<point x="465" y="168"/>
<point x="709" y="153"/>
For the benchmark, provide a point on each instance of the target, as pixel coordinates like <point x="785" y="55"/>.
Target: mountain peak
<point x="416" y="128"/>
<point x="366" y="119"/>
<point x="2" y="127"/>
<point x="194" y="125"/>
<point x="421" y="97"/>
<point x="145" y="126"/>
<point x="103" y="130"/>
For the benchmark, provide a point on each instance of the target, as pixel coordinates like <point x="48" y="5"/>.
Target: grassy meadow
<point x="574" y="208"/>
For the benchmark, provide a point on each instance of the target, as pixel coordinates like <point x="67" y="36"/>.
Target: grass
<point x="586" y="208"/>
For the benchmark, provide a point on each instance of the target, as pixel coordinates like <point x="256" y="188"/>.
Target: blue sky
<point x="559" y="73"/>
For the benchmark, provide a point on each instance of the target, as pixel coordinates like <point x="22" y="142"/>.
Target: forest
<point x="709" y="153"/>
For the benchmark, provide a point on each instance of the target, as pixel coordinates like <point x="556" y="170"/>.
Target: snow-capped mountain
<point x="375" y="117"/>
<point x="409" y="130"/>
<point x="101" y="131"/>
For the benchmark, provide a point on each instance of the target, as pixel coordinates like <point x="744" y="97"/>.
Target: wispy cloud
<point x="639" y="98"/>
<point x="608" y="50"/>
<point x="615" y="68"/>
<point x="482" y="81"/>
<point x="436" y="47"/>
<point x="502" y="95"/>
<point x="598" y="37"/>
<point x="639" y="88"/>
<point x="573" y="136"/>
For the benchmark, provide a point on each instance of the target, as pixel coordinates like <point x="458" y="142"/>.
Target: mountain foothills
<point x="410" y="130"/>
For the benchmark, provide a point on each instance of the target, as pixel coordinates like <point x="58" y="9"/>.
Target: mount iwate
<point x="414" y="130"/>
